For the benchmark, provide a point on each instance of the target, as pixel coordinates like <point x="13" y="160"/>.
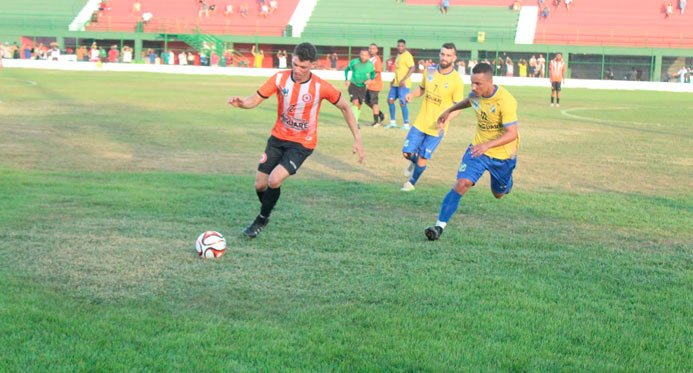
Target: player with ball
<point x="294" y="136"/>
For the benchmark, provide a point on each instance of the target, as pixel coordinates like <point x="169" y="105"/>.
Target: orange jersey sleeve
<point x="269" y="88"/>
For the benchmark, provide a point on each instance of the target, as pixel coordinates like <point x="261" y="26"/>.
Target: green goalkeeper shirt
<point x="361" y="71"/>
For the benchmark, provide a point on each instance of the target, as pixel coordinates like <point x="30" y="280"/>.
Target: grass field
<point x="107" y="178"/>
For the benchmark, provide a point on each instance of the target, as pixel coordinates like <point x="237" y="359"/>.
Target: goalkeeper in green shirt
<point x="362" y="72"/>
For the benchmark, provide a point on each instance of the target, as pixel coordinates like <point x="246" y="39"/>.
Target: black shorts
<point x="289" y="154"/>
<point x="371" y="97"/>
<point x="556" y="86"/>
<point x="357" y="93"/>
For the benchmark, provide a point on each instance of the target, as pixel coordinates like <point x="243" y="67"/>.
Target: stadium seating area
<point x="177" y="17"/>
<point x="616" y="23"/>
<point x="357" y="20"/>
<point x="38" y="14"/>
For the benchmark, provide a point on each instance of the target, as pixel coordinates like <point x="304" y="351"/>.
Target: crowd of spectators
<point x="207" y="8"/>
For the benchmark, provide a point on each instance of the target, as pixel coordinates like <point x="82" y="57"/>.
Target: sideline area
<point x="331" y="74"/>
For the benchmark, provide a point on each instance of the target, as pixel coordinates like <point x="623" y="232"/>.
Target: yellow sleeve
<point x="424" y="78"/>
<point x="508" y="109"/>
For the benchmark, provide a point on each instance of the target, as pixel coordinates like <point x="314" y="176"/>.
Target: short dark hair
<point x="364" y="50"/>
<point x="482" y="68"/>
<point x="450" y="46"/>
<point x="306" y="52"/>
<point x="401" y="41"/>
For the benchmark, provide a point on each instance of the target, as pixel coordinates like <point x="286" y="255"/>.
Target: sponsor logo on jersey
<point x="307" y="97"/>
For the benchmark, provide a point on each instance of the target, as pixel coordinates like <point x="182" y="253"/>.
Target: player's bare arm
<point x="444" y="117"/>
<point x="246" y="103"/>
<point x="403" y="81"/>
<point x="509" y="135"/>
<point x="344" y="107"/>
<point x="417" y="92"/>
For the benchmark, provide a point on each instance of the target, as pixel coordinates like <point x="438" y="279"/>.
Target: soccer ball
<point x="210" y="244"/>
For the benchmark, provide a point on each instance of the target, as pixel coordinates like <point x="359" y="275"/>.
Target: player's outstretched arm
<point x="343" y="105"/>
<point x="417" y="92"/>
<point x="246" y="103"/>
<point x="445" y="116"/>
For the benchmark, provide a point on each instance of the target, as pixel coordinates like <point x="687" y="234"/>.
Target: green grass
<point x="107" y="178"/>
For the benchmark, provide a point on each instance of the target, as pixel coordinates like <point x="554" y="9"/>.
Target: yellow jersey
<point x="493" y="114"/>
<point x="440" y="92"/>
<point x="403" y="63"/>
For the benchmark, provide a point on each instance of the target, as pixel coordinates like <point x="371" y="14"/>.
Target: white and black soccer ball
<point x="210" y="244"/>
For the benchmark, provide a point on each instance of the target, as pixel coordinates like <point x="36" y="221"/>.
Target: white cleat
<point x="406" y="127"/>
<point x="391" y="125"/>
<point x="407" y="187"/>
<point x="558" y="105"/>
<point x="552" y="104"/>
<point x="409" y="170"/>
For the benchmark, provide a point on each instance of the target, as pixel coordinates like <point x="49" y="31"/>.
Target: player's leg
<point x="410" y="152"/>
<point x="558" y="94"/>
<point x="429" y="145"/>
<point x="401" y="95"/>
<point x="270" y="159"/>
<point x="553" y="94"/>
<point x="354" y="95"/>
<point x="501" y="176"/>
<point x="391" y="97"/>
<point x="468" y="174"/>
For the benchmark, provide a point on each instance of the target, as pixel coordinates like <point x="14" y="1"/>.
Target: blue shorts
<point x="421" y="143"/>
<point x="501" y="170"/>
<point x="398" y="93"/>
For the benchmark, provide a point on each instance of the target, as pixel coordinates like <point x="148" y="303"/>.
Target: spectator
<point x="229" y="10"/>
<point x="113" y="54"/>
<point x="264" y="10"/>
<point x="421" y="66"/>
<point x="557" y="3"/>
<point x="136" y="7"/>
<point x="147" y="17"/>
<point x="567" y="4"/>
<point x="182" y="58"/>
<point x="191" y="58"/>
<point x="281" y="59"/>
<point x="682" y="74"/>
<point x="152" y="57"/>
<point x="27" y="52"/>
<point x="54" y="54"/>
<point x="669" y="10"/>
<point x="94" y="53"/>
<point x="333" y="61"/>
<point x="244" y="10"/>
<point x="541" y="66"/>
<point x="171" y="57"/>
<point x="533" y="66"/>
<point x="214" y="59"/>
<point x="127" y="54"/>
<point x="444" y="5"/>
<point x="609" y="74"/>
<point x="471" y="65"/>
<point x="517" y="5"/>
<point x="522" y="68"/>
<point x="461" y="68"/>
<point x="682" y="6"/>
<point x="258" y="56"/>
<point x="545" y="12"/>
<point x="204" y="9"/>
<point x="273" y="6"/>
<point x="509" y="67"/>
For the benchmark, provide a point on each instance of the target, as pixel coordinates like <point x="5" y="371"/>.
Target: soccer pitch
<point x="106" y="179"/>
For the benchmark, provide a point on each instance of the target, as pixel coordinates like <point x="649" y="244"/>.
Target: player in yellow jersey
<point x="441" y="87"/>
<point x="494" y="148"/>
<point x="399" y="87"/>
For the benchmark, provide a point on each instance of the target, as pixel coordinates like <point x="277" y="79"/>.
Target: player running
<point x="442" y="87"/>
<point x="494" y="148"/>
<point x="362" y="72"/>
<point x="375" y="86"/>
<point x="294" y="136"/>
<point x="556" y="76"/>
<point x="399" y="87"/>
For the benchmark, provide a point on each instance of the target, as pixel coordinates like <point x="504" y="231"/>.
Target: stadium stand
<point x="181" y="17"/>
<point x="38" y="14"/>
<point x="616" y="23"/>
<point x="356" y="20"/>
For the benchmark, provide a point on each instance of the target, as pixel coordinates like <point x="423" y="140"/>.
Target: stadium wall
<point x="591" y="60"/>
<point x="67" y="65"/>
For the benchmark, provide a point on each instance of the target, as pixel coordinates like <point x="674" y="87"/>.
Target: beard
<point x="444" y="65"/>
